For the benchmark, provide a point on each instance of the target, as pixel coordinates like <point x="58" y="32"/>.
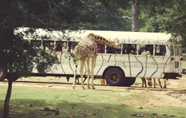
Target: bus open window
<point x="180" y="51"/>
<point x="129" y="49"/>
<point x="101" y="48"/>
<point x="36" y="44"/>
<point x="160" y="50"/>
<point x="48" y="45"/>
<point x="172" y="50"/>
<point x="58" y="46"/>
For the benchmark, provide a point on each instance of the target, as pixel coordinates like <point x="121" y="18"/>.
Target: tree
<point x="15" y="52"/>
<point x="135" y="16"/>
<point x="161" y="16"/>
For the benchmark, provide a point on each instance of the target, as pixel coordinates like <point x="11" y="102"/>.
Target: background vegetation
<point x="18" y="56"/>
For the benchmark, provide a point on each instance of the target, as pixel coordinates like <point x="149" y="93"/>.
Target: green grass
<point x="30" y="101"/>
<point x="184" y="64"/>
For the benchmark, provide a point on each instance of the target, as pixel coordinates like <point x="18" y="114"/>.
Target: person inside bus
<point x="125" y="51"/>
<point x="163" y="50"/>
<point x="145" y="52"/>
<point x="157" y="49"/>
<point x="100" y="49"/>
<point x="35" y="46"/>
<point x="64" y="47"/>
<point x="58" y="47"/>
<point x="51" y="46"/>
<point x="47" y="48"/>
<point x="131" y="49"/>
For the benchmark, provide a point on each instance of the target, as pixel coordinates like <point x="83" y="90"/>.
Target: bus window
<point x="71" y="46"/>
<point x="111" y="50"/>
<point x="36" y="43"/>
<point x="58" y="46"/>
<point x="101" y="49"/>
<point x="180" y="51"/>
<point x="48" y="45"/>
<point x="176" y="50"/>
<point x="148" y="48"/>
<point x="160" y="50"/>
<point x="171" y="50"/>
<point x="129" y="49"/>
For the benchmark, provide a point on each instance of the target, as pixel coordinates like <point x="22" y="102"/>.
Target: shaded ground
<point x="173" y="95"/>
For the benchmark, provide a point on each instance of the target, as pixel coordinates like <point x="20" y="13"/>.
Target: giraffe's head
<point x="117" y="44"/>
<point x="101" y="40"/>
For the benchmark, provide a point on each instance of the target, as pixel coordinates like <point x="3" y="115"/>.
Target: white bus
<point x="120" y="67"/>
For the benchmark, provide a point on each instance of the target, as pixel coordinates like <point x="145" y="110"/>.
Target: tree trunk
<point x="8" y="95"/>
<point x="9" y="77"/>
<point x="135" y="17"/>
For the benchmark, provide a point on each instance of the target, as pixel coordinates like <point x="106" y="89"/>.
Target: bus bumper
<point x="172" y="75"/>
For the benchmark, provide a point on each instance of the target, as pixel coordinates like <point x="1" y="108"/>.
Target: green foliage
<point x="155" y="16"/>
<point x="164" y="16"/>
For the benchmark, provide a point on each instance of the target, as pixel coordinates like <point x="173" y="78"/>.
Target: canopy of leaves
<point x="155" y="16"/>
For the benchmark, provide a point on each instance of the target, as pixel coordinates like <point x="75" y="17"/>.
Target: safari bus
<point x="142" y="55"/>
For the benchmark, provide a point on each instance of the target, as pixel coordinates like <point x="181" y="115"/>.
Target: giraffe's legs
<point x="75" y="72"/>
<point x="144" y="84"/>
<point x="165" y="83"/>
<point x="92" y="71"/>
<point x="159" y="81"/>
<point x="88" y="73"/>
<point x="82" y="64"/>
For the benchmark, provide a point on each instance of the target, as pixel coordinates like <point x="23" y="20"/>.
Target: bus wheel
<point x="129" y="81"/>
<point x="114" y="77"/>
<point x="3" y="74"/>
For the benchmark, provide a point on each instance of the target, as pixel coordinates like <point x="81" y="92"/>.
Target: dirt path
<point x="173" y="95"/>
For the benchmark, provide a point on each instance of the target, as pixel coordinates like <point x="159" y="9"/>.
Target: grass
<point x="47" y="101"/>
<point x="184" y="64"/>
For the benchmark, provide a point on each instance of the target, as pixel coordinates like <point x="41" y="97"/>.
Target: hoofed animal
<point x="85" y="52"/>
<point x="150" y="83"/>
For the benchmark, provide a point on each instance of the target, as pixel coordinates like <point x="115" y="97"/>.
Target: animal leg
<point x="82" y="64"/>
<point x="159" y="81"/>
<point x="149" y="82"/>
<point x="92" y="71"/>
<point x="154" y="82"/>
<point x="165" y="83"/>
<point x="144" y="84"/>
<point x="74" y="80"/>
<point x="88" y="73"/>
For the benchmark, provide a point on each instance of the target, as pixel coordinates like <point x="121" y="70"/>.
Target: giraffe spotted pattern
<point x="86" y="52"/>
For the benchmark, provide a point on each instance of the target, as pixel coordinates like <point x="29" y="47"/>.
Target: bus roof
<point x="123" y="36"/>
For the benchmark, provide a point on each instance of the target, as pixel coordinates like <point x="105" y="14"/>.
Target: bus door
<point x="177" y="58"/>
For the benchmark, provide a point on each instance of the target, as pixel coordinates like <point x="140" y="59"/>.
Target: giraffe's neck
<point x="101" y="40"/>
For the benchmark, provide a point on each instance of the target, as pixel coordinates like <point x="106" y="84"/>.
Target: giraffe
<point x="85" y="52"/>
<point x="150" y="83"/>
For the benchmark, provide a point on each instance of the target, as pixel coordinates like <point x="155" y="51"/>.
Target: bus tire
<point x="3" y="74"/>
<point x="129" y="81"/>
<point x="114" y="76"/>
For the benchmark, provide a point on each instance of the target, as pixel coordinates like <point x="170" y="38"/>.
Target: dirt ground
<point x="173" y="95"/>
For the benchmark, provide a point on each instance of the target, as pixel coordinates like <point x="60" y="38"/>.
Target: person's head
<point x="64" y="44"/>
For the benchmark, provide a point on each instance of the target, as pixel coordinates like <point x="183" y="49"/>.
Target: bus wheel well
<point x="109" y="68"/>
<point x="115" y="76"/>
